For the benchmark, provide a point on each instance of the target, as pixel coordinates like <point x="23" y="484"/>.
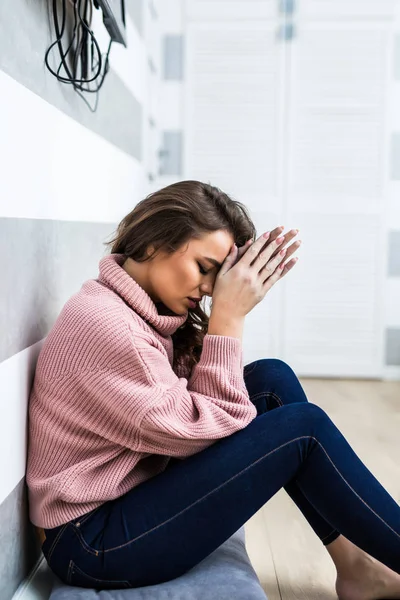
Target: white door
<point x="295" y="129"/>
<point x="336" y="186"/>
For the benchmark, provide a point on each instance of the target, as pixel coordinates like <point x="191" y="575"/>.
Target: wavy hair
<point x="168" y="219"/>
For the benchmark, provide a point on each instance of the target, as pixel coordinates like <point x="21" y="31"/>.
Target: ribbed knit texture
<point x="107" y="411"/>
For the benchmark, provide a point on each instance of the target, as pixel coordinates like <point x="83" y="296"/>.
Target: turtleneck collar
<point x="115" y="277"/>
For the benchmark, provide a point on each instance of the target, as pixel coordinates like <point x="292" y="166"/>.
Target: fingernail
<point x="266" y="234"/>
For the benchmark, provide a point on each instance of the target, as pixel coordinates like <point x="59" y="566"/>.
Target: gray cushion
<point x="226" y="574"/>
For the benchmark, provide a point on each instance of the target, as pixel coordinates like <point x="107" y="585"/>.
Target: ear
<point x="150" y="250"/>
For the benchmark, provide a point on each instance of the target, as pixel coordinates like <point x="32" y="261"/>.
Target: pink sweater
<point x="107" y="411"/>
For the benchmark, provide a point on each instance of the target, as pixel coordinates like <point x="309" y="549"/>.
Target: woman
<point x="149" y="443"/>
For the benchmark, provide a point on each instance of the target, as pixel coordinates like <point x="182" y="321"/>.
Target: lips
<point x="193" y="303"/>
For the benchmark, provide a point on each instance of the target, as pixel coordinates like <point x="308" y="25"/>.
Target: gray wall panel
<point x="43" y="263"/>
<point x="396" y="60"/>
<point x="173" y="57"/>
<point x="393" y="347"/>
<point x="172" y="153"/>
<point x="394" y="254"/>
<point x="395" y="156"/>
<point x="20" y="547"/>
<point x="25" y="34"/>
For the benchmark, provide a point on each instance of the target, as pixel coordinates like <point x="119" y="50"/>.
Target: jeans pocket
<point x="78" y="578"/>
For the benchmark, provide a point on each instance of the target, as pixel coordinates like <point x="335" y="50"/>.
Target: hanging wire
<point x="81" y="34"/>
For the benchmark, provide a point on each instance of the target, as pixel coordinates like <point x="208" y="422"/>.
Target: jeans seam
<point x="329" y="534"/>
<point x="80" y="571"/>
<point x="354" y="492"/>
<point x="69" y="572"/>
<point x="234" y="477"/>
<point x="56" y="540"/>
<point x="261" y="394"/>
<point x="276" y="397"/>
<point x="280" y="403"/>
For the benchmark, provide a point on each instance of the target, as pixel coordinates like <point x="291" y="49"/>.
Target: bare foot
<point x="368" y="579"/>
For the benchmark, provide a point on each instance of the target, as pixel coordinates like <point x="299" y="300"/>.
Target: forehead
<point x="217" y="242"/>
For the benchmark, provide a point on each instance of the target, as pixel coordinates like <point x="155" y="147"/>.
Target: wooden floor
<point x="289" y="559"/>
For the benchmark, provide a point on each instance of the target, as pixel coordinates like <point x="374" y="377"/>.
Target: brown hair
<point x="168" y="219"/>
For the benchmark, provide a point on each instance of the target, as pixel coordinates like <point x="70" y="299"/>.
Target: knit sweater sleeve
<point x="180" y="417"/>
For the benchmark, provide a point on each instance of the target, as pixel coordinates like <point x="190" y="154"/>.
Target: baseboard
<point x="38" y="584"/>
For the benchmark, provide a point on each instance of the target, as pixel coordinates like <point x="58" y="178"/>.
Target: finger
<point x="242" y="250"/>
<point x="269" y="268"/>
<point x="255" y="249"/>
<point x="287" y="238"/>
<point x="276" y="233"/>
<point x="288" y="266"/>
<point x="245" y="246"/>
<point x="290" y="249"/>
<point x="229" y="260"/>
<point x="265" y="254"/>
<point x="280" y="272"/>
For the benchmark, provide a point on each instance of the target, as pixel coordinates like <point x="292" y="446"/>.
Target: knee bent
<point x="276" y="367"/>
<point x="312" y="413"/>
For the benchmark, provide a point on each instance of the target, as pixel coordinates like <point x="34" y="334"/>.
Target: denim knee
<point x="313" y="417"/>
<point x="277" y="368"/>
<point x="276" y="364"/>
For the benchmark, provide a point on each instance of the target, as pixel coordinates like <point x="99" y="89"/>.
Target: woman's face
<point x="170" y="279"/>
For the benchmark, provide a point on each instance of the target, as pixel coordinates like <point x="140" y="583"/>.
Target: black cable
<point x="80" y="25"/>
<point x="70" y="79"/>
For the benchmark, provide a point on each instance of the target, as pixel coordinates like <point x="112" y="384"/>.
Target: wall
<point x="67" y="177"/>
<point x="392" y="279"/>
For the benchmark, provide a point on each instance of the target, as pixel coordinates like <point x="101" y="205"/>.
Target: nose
<point x="206" y="290"/>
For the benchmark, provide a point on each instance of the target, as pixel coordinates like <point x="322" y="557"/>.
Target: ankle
<point x="346" y="556"/>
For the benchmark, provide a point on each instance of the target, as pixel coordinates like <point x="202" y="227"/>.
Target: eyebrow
<point x="213" y="261"/>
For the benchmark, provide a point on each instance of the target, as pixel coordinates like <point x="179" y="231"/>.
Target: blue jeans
<point x="165" y="526"/>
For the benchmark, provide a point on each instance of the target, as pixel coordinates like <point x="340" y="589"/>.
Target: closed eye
<point x="202" y="271"/>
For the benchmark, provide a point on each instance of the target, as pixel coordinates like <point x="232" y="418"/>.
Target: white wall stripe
<point x="171" y="108"/>
<point x="54" y="168"/>
<point x="15" y="382"/>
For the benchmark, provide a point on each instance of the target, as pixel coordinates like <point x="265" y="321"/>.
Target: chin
<point x="163" y="309"/>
